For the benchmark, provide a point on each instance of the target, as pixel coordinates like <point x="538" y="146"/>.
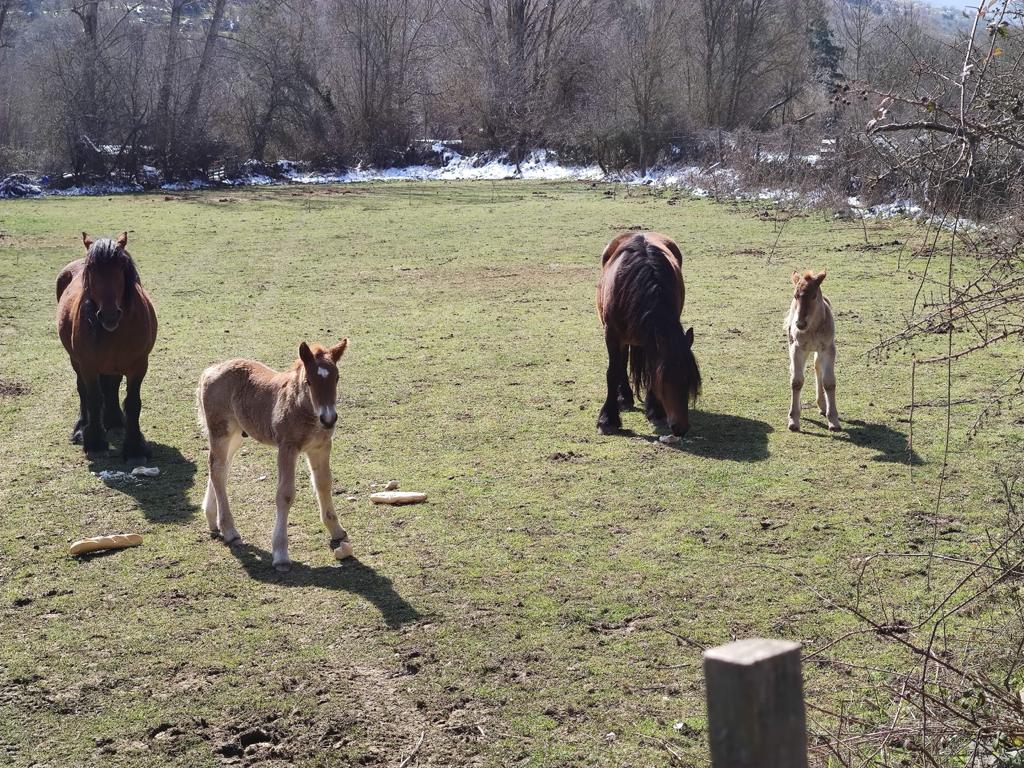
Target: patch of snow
<point x="19" y="185"/>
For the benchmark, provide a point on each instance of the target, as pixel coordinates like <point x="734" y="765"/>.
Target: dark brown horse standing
<point x="107" y="324"/>
<point x="639" y="300"/>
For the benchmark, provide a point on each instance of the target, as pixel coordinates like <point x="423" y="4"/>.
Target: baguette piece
<point x="98" y="543"/>
<point x="397" y="497"/>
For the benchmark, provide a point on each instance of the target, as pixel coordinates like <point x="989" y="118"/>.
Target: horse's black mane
<point x="105" y="252"/>
<point x="647" y="291"/>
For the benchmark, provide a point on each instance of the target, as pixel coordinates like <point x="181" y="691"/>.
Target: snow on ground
<point x="539" y="165"/>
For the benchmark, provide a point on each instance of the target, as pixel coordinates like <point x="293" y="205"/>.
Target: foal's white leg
<point x="320" y="470"/>
<point x="797" y="362"/>
<point x="285" y="496"/>
<point x="828" y="382"/>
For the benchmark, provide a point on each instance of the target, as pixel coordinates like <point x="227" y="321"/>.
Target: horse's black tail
<point x="639" y="374"/>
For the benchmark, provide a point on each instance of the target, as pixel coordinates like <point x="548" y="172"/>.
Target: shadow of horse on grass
<point x="163" y="499"/>
<point x="349" y="575"/>
<point x="891" y="444"/>
<point x="720" y="436"/>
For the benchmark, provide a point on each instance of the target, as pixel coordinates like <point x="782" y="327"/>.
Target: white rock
<point x="391" y="486"/>
<point x="146" y="471"/>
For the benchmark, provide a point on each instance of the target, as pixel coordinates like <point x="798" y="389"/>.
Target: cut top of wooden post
<point x="750" y="651"/>
<point x="756" y="705"/>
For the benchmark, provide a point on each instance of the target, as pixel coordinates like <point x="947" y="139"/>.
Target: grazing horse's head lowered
<point x="320" y="367"/>
<point x="807" y="295"/>
<point x="675" y="379"/>
<point x="109" y="278"/>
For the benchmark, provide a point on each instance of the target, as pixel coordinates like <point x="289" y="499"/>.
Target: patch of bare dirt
<point x="10" y="388"/>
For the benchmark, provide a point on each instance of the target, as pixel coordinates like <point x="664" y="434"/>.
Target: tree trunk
<point x="164" y="132"/>
<point x="195" y="94"/>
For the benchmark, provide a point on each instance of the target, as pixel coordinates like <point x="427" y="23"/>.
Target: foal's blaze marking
<point x="296" y="410"/>
<point x="810" y="327"/>
<point x="107" y="324"/>
<point x="639" y="300"/>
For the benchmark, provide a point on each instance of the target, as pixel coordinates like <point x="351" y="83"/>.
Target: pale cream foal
<point x="810" y="327"/>
<point x="294" y="410"/>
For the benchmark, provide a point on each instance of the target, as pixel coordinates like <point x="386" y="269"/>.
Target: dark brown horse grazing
<point x="639" y="300"/>
<point x="107" y="324"/>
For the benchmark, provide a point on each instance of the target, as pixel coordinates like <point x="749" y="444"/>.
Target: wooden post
<point x="756" y="705"/>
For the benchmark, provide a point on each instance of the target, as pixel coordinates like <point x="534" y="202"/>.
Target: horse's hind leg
<point x="113" y="418"/>
<point x="819" y="399"/>
<point x="320" y="471"/>
<point x="225" y="449"/>
<point x="827" y="381"/>
<point x="608" y="421"/>
<point x="625" y="390"/>
<point x="134" y="444"/>
<point x="218" y="511"/>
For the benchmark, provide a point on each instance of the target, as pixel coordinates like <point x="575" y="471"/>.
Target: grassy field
<point x="548" y="605"/>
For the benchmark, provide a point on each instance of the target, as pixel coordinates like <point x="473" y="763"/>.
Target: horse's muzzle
<point x="110" y="320"/>
<point x="328" y="417"/>
<point x="801" y="325"/>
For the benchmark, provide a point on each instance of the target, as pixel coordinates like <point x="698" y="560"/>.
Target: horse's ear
<point x="306" y="355"/>
<point x="613" y="246"/>
<point x="819" y="278"/>
<point x="795" y="278"/>
<point x="338" y="350"/>
<point x="689" y="335"/>
<point x="86" y="241"/>
<point x="122" y="240"/>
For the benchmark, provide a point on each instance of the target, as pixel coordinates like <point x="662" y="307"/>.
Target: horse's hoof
<point x="136" y="451"/>
<point x="794" y="426"/>
<point x="76" y="437"/>
<point x="231" y="539"/>
<point x="284" y="567"/>
<point x="834" y="428"/>
<point x="607" y="429"/>
<point x="95" y="445"/>
<point x="335" y="543"/>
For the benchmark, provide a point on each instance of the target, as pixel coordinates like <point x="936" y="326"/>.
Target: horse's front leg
<point x="94" y="437"/>
<point x="83" y="410"/>
<point x="797" y="362"/>
<point x="608" y="421"/>
<point x="827" y="378"/>
<point x="654" y="410"/>
<point x="320" y="470"/>
<point x="286" y="457"/>
<point x="134" y="444"/>
<point x="113" y="418"/>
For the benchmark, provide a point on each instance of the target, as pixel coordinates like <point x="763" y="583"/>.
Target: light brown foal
<point x="811" y="328"/>
<point x="296" y="410"/>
